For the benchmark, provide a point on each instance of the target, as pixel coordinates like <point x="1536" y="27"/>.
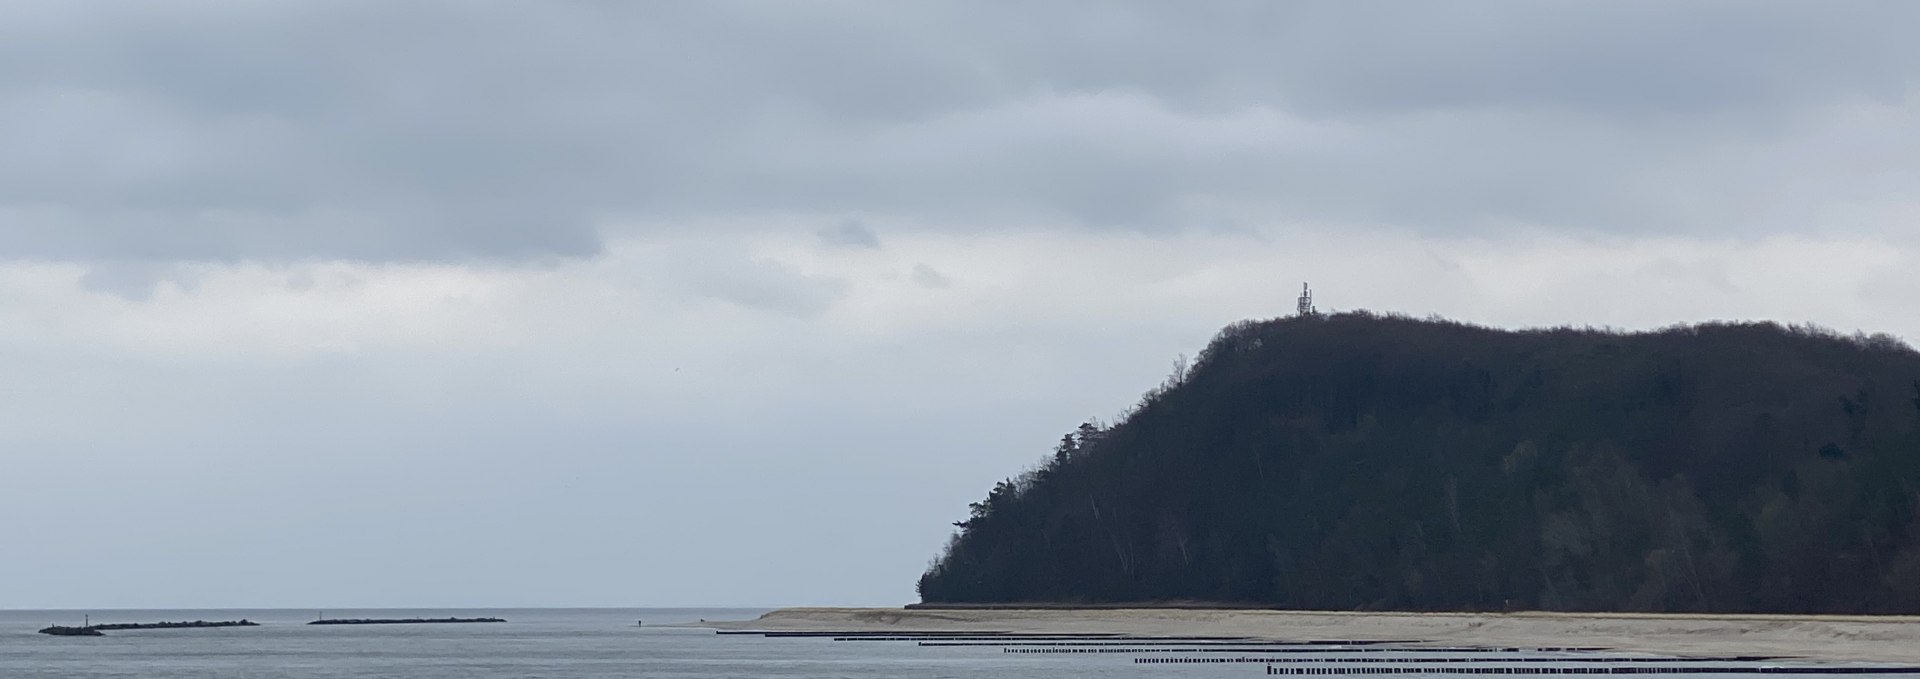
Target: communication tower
<point x="1306" y="300"/>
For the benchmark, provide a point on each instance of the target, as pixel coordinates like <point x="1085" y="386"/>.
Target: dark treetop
<point x="1363" y="462"/>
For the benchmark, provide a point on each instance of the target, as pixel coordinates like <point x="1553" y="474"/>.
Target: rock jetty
<point x="399" y="621"/>
<point x="243" y="622"/>
<point x="91" y="630"/>
<point x="65" y="631"/>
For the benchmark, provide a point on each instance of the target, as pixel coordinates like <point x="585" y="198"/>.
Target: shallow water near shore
<point x="532" y="643"/>
<point x="563" y="643"/>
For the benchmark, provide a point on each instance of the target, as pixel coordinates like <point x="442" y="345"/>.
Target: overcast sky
<point x="707" y="303"/>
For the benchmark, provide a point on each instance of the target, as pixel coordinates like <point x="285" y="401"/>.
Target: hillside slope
<point x="1360" y="462"/>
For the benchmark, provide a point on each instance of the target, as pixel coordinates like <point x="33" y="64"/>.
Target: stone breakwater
<point x="243" y="622"/>
<point x="400" y="621"/>
<point x="95" y="630"/>
<point x="65" y="631"/>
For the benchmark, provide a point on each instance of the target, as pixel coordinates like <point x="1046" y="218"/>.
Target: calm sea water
<point x="571" y="643"/>
<point x="554" y="643"/>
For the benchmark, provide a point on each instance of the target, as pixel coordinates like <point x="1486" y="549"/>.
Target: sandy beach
<point x="1838" y="638"/>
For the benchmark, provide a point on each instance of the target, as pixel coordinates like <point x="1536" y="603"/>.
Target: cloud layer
<point x="450" y="131"/>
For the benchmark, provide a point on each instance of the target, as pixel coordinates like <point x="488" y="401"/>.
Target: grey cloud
<point x="849" y="234"/>
<point x="768" y="288"/>
<point x="927" y="277"/>
<point x="1893" y="288"/>
<point x="758" y="284"/>
<point x="443" y="130"/>
<point x="133" y="280"/>
<point x="1709" y="274"/>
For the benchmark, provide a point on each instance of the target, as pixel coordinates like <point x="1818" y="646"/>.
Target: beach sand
<point x="1837" y="638"/>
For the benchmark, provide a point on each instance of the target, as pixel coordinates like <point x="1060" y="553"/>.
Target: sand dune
<point x="1840" y="638"/>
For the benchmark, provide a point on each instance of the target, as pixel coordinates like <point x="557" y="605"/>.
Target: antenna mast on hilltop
<point x="1306" y="301"/>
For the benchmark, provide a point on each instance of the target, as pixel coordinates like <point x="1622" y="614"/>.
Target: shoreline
<point x="1840" y="638"/>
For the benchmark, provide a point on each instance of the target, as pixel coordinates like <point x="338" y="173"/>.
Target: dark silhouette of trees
<point x="1359" y="461"/>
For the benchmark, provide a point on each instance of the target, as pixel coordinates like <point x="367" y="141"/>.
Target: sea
<point x="557" y="643"/>
<point x="574" y="643"/>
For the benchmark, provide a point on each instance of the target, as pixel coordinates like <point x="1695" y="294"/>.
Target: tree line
<point x="1371" y="462"/>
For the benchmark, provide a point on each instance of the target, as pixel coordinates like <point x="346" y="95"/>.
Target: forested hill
<point x="1363" y="462"/>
